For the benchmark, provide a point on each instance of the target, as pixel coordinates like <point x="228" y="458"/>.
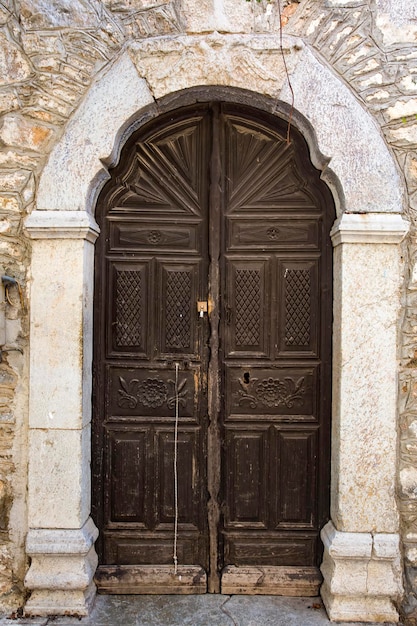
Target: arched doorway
<point x="367" y="270"/>
<point x="213" y="304"/>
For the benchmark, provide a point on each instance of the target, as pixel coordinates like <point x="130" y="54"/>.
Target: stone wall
<point x="372" y="46"/>
<point x="50" y="52"/>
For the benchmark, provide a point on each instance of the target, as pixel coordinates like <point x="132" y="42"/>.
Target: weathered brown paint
<point x="210" y="203"/>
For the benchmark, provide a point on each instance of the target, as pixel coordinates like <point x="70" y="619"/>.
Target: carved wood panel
<point x="210" y="203"/>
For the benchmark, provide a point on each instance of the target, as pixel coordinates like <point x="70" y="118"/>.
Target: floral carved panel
<point x="283" y="392"/>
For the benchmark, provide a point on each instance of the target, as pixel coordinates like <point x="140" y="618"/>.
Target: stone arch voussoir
<point x="357" y="164"/>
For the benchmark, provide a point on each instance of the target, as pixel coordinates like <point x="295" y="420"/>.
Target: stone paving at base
<point x="197" y="610"/>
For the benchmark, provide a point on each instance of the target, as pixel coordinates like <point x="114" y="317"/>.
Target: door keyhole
<point x="246" y="378"/>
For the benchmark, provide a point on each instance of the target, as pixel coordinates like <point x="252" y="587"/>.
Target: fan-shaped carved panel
<point x="164" y="174"/>
<point x="262" y="173"/>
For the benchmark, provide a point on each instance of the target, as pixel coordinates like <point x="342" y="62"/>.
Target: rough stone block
<point x="39" y="15"/>
<point x="14" y="181"/>
<point x="404" y="136"/>
<point x="396" y="21"/>
<point x="408" y="482"/>
<point x="401" y="109"/>
<point x="411" y="170"/>
<point x="345" y="577"/>
<point x="60" y="602"/>
<point x="365" y="429"/>
<point x="343" y="3"/>
<point x="14" y="65"/>
<point x="16" y="131"/>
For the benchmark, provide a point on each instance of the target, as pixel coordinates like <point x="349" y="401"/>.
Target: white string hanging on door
<point x="175" y="556"/>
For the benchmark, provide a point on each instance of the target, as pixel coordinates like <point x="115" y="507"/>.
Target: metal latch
<point x="202" y="307"/>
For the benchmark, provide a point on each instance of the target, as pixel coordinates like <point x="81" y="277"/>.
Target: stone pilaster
<point x="361" y="564"/>
<point x="61" y="534"/>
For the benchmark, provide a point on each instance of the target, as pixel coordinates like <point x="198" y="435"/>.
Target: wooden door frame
<point x="66" y="537"/>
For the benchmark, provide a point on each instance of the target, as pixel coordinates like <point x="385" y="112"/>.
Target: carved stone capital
<point x="62" y="225"/>
<point x="369" y="228"/>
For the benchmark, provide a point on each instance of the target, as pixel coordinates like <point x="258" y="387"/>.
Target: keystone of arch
<point x="357" y="165"/>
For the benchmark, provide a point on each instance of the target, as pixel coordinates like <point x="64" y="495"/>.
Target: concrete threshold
<point x="193" y="610"/>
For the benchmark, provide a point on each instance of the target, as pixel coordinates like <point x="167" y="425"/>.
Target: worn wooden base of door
<point x="274" y="581"/>
<point x="156" y="580"/>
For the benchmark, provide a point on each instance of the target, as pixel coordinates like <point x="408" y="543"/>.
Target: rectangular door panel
<point x="126" y="549"/>
<point x="298" y="308"/>
<point x="296" y="468"/>
<point x="272" y="233"/>
<point x="281" y="393"/>
<point x="247" y="316"/>
<point x="128" y="472"/>
<point x="145" y="235"/>
<point x="269" y="549"/>
<point x="127" y="330"/>
<point x="178" y="295"/>
<point x="142" y="394"/>
<point x="246" y="477"/>
<point x="188" y="482"/>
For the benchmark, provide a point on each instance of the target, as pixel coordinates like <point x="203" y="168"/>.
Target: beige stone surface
<point x="90" y="136"/>
<point x="365" y="609"/>
<point x="23" y="133"/>
<point x="396" y="21"/>
<point x="57" y="290"/>
<point x="59" y="478"/>
<point x="60" y="602"/>
<point x="402" y="108"/>
<point x="403" y="136"/>
<point x="61" y="571"/>
<point x="357" y="153"/>
<point x="14" y="65"/>
<point x="369" y="228"/>
<point x="364" y="396"/>
<point x="249" y="62"/>
<point x="61" y="381"/>
<point x="38" y="14"/>
<point x="362" y="575"/>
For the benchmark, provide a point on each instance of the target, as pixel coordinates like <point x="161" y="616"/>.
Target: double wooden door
<point x="212" y="307"/>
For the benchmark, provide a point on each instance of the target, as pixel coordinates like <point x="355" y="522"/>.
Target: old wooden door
<point x="210" y="208"/>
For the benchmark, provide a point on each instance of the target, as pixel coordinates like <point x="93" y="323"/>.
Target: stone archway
<point x="361" y="562"/>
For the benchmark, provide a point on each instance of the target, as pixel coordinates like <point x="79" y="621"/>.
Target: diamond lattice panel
<point x="248" y="308"/>
<point x="177" y="311"/>
<point x="128" y="308"/>
<point x="298" y="307"/>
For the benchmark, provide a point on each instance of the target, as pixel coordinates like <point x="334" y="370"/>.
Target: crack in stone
<point x="226" y="612"/>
